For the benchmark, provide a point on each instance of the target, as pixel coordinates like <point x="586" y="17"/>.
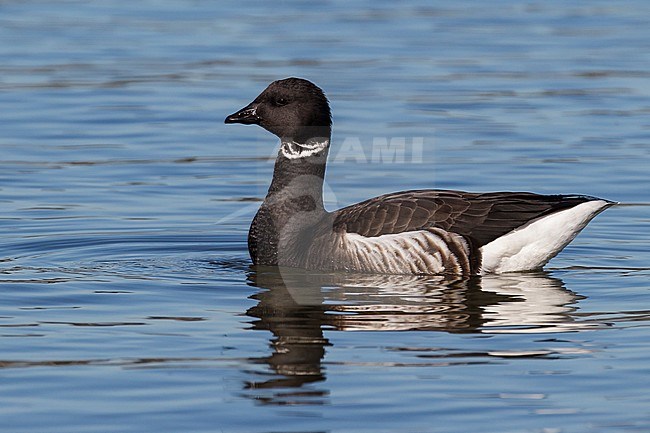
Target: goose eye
<point x="281" y="102"/>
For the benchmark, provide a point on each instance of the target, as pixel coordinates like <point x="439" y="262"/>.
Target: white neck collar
<point x="293" y="150"/>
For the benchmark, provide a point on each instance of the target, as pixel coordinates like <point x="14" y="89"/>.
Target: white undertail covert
<point x="531" y="246"/>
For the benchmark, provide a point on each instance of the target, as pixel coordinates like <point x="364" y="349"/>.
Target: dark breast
<point x="263" y="239"/>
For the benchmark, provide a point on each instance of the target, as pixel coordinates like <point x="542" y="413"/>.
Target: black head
<point x="294" y="109"/>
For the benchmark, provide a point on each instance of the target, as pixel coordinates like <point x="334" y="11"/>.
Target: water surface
<point x="128" y="303"/>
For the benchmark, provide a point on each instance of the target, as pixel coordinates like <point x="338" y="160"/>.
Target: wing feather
<point x="482" y="217"/>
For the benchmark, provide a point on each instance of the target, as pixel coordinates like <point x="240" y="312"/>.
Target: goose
<point x="410" y="232"/>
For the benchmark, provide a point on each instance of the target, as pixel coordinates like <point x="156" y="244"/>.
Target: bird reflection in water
<point x="296" y="306"/>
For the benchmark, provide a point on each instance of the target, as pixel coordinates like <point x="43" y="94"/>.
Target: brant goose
<point x="410" y="232"/>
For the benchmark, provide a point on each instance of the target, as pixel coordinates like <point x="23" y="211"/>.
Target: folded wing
<point x="480" y="217"/>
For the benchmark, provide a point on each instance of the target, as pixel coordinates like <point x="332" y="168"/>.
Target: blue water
<point x="127" y="300"/>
